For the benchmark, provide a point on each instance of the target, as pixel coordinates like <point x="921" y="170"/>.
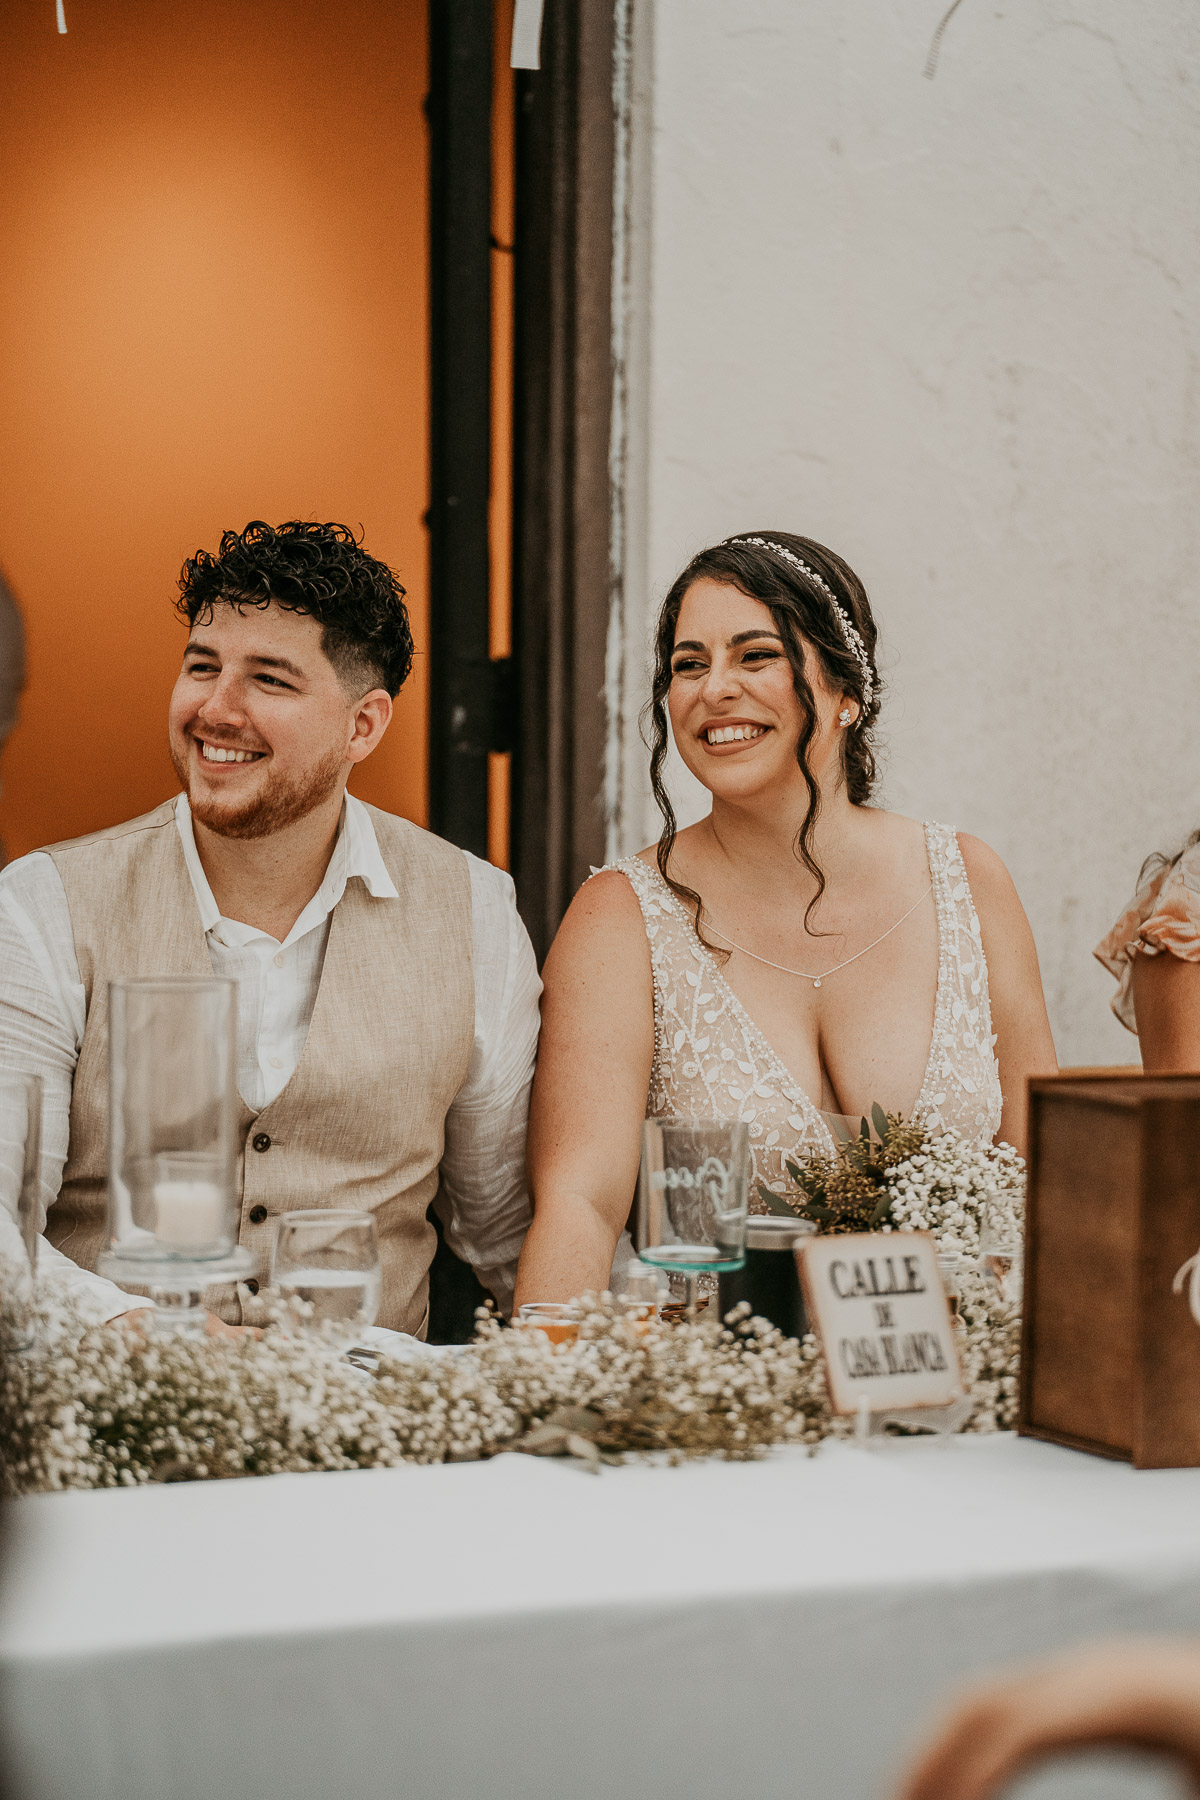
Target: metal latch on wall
<point x="482" y="704"/>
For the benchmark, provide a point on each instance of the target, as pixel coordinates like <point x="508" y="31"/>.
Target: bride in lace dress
<point x="795" y="957"/>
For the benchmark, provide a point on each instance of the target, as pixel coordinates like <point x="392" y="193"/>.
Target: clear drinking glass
<point x="20" y="1199"/>
<point x="557" y="1319"/>
<point x="173" y="1116"/>
<point x="641" y="1291"/>
<point x="692" y="1198"/>
<point x="950" y="1267"/>
<point x="325" y="1264"/>
<point x="1000" y="1260"/>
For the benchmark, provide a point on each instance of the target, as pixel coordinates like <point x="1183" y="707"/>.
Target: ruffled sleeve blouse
<point x="1164" y="914"/>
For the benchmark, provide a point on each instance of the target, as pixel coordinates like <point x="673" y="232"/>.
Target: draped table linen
<point x="523" y="1628"/>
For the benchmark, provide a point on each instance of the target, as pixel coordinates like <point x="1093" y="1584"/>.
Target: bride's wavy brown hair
<point x="803" y="616"/>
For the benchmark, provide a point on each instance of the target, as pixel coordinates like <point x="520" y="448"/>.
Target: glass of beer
<point x="557" y="1319"/>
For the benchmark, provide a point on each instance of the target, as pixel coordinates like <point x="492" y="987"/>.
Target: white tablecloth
<point x="522" y="1628"/>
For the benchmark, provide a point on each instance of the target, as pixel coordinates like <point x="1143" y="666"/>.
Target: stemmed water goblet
<point x="692" y="1198"/>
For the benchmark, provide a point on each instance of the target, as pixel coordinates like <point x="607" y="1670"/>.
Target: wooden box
<point x="1110" y="1357"/>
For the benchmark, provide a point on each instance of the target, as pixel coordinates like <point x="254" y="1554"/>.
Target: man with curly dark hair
<point x="387" y="990"/>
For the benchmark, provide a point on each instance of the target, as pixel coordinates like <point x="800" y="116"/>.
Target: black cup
<point x="769" y="1278"/>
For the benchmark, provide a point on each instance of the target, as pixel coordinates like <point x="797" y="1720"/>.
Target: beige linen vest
<point x="361" y="1122"/>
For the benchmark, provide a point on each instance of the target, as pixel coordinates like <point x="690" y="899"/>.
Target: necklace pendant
<point x="817" y="982"/>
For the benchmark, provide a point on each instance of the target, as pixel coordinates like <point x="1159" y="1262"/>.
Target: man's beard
<point x="280" y="803"/>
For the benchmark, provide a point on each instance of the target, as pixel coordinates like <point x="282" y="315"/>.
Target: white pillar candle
<point x="188" y="1214"/>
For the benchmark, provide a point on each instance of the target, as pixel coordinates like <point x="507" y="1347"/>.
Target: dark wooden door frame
<point x="547" y="707"/>
<point x="562" y="587"/>
<point x="554" y="723"/>
<point x="462" y="726"/>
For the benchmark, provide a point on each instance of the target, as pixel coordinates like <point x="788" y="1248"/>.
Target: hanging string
<point x="60" y="17"/>
<point x="931" y="61"/>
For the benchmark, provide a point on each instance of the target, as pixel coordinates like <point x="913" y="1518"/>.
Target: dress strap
<point x="644" y="880"/>
<point x="654" y="898"/>
<point x="962" y="1067"/>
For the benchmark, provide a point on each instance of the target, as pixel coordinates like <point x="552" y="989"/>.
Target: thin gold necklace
<point x="818" y="979"/>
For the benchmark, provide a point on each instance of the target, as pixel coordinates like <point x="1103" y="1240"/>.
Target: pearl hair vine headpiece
<point x="845" y="624"/>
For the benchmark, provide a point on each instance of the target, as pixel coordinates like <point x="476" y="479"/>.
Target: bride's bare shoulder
<point x="997" y="903"/>
<point x="986" y="870"/>
<point x="600" y="951"/>
<point x="606" y="906"/>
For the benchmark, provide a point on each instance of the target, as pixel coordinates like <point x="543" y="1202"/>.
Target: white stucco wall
<point x="950" y="328"/>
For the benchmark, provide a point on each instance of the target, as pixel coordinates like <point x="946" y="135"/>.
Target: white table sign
<point x="876" y="1301"/>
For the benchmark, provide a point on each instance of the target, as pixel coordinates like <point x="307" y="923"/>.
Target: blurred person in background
<point x="1154" y="952"/>
<point x="12" y="668"/>
<point x="1141" y="1694"/>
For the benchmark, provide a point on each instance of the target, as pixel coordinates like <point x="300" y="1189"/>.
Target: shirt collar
<point x="363" y="855"/>
<point x="210" y="912"/>
<point x="355" y="852"/>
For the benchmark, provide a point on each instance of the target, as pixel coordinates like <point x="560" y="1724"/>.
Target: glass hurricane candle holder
<point x="173" y="1141"/>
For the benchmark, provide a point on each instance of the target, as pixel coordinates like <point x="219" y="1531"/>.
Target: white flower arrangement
<point x="110" y="1407"/>
<point x="897" y="1176"/>
<point x="969" y="1195"/>
<point x="955" y="1189"/>
<point x="91" y="1407"/>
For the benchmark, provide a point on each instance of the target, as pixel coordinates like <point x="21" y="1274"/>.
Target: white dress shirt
<point x="482" y="1200"/>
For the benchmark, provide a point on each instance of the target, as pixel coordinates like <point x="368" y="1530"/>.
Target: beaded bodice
<point x="711" y="1060"/>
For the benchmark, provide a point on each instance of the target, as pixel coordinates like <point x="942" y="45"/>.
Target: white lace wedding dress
<point x="711" y="1060"/>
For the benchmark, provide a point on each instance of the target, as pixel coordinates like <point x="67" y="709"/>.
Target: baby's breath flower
<point x="91" y="1408"/>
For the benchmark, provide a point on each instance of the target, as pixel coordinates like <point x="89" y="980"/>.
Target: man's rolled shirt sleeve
<point x="42" y="1009"/>
<point x="483" y="1201"/>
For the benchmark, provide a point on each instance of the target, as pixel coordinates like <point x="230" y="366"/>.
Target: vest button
<point x="252" y="1285"/>
<point x="257" y="1214"/>
<point x="261" y="1141"/>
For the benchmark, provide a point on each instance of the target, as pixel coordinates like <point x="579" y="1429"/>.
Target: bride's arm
<point x="1024" y="1046"/>
<point x="589" y="1092"/>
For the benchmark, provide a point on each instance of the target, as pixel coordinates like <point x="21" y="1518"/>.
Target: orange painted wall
<point x="213" y="307"/>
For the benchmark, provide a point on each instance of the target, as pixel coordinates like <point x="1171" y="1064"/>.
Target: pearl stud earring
<point x="844" y="716"/>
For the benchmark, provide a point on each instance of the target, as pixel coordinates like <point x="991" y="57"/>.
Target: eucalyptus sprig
<point x="849" y="1191"/>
